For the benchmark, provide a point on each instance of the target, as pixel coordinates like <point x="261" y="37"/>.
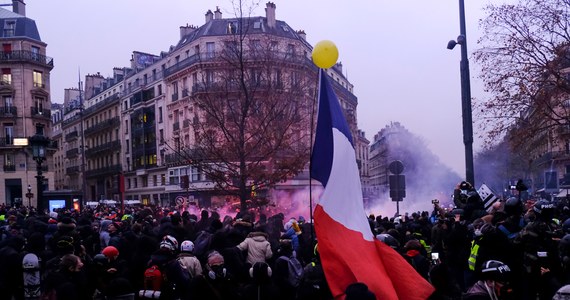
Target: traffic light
<point x="184" y="181"/>
<point x="397" y="187"/>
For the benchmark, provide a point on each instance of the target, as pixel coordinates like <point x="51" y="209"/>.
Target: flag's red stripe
<point x="347" y="258"/>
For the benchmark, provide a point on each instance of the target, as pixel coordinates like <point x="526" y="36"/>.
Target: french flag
<point x="348" y="250"/>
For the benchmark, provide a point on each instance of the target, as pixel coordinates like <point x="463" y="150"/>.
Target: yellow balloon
<point x="325" y="54"/>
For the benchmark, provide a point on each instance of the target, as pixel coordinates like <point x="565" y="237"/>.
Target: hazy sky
<point x="394" y="52"/>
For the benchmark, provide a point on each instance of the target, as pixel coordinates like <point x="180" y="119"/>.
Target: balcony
<point x="70" y="120"/>
<point x="107" y="124"/>
<point x="107" y="147"/>
<point x="8" y="111"/>
<point x="72" y="170"/>
<point x="9" y="168"/>
<point x="71" y="136"/>
<point x="106" y="171"/>
<point x="26" y="56"/>
<point x="7" y="141"/>
<point x="72" y="153"/>
<point x="40" y="112"/>
<point x="39" y="85"/>
<point x="113" y="99"/>
<point x="176" y="159"/>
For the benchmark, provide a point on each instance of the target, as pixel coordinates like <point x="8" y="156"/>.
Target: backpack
<point x="202" y="243"/>
<point x="295" y="270"/>
<point x="153" y="278"/>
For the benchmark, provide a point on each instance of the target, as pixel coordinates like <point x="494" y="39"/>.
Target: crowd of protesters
<point x="515" y="250"/>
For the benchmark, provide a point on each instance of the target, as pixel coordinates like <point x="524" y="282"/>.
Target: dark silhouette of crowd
<point x="514" y="250"/>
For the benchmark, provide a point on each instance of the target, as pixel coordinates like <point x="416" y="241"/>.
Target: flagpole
<point x="310" y="155"/>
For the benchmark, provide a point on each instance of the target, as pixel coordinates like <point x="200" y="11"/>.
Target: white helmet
<point x="187" y="246"/>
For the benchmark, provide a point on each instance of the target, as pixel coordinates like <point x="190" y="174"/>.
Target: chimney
<point x="302" y="34"/>
<point x="209" y="16"/>
<point x="186" y="30"/>
<point x="217" y="13"/>
<point x="270" y="14"/>
<point x="19" y="7"/>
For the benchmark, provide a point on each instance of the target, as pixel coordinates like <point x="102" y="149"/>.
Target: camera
<point x="434" y="201"/>
<point x="435" y="257"/>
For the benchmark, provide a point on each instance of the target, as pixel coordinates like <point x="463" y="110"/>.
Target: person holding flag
<point x="348" y="250"/>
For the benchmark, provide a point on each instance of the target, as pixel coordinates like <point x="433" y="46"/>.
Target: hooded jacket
<point x="257" y="246"/>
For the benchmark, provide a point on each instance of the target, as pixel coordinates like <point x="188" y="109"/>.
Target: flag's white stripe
<point x="338" y="198"/>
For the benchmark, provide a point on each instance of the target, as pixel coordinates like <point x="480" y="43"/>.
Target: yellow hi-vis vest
<point x="473" y="255"/>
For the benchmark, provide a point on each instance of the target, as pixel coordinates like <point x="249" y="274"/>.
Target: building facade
<point x="25" y="109"/>
<point x="134" y="123"/>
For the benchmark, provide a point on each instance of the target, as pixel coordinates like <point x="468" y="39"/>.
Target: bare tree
<point x="253" y="105"/>
<point x="524" y="59"/>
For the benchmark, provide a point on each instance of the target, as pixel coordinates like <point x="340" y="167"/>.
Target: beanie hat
<point x="110" y="251"/>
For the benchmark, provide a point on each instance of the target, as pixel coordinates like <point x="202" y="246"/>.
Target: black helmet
<point x="495" y="270"/>
<point x="388" y="240"/>
<point x="566" y="226"/>
<point x="513" y="206"/>
<point x="544" y="209"/>
<point x="100" y="259"/>
<point x="564" y="246"/>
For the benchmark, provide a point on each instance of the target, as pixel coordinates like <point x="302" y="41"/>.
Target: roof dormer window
<point x="232" y="27"/>
<point x="9" y="28"/>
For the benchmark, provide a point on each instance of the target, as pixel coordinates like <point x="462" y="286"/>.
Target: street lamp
<point x="465" y="95"/>
<point x="30" y="195"/>
<point x="39" y="143"/>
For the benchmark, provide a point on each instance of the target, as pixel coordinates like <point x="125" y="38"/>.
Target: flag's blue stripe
<point x="330" y="115"/>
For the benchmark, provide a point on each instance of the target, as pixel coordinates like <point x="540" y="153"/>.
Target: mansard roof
<point x="251" y="25"/>
<point x="24" y="27"/>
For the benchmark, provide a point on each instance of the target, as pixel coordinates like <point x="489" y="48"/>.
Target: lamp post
<point x="30" y="195"/>
<point x="39" y="143"/>
<point x="465" y="95"/>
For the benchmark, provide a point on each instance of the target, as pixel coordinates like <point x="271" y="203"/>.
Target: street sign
<point x="396" y="167"/>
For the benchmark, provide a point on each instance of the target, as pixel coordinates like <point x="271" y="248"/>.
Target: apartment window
<point x="160" y="115"/>
<point x="197" y="49"/>
<point x="9" y="133"/>
<point x="8" y="102"/>
<point x="6" y="76"/>
<point x="160" y="89"/>
<point x="209" y="77"/>
<point x="196" y="174"/>
<point x="291" y="49"/>
<point x="9" y="159"/>
<point x="256" y="45"/>
<point x="127" y="146"/>
<point x="162" y="179"/>
<point x="155" y="180"/>
<point x="35" y="53"/>
<point x="129" y="183"/>
<point x="9" y="28"/>
<point x="174" y="177"/>
<point x="38" y="79"/>
<point x="144" y="181"/>
<point x="154" y="74"/>
<point x="126" y="126"/>
<point x="161" y="136"/>
<point x="210" y="48"/>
